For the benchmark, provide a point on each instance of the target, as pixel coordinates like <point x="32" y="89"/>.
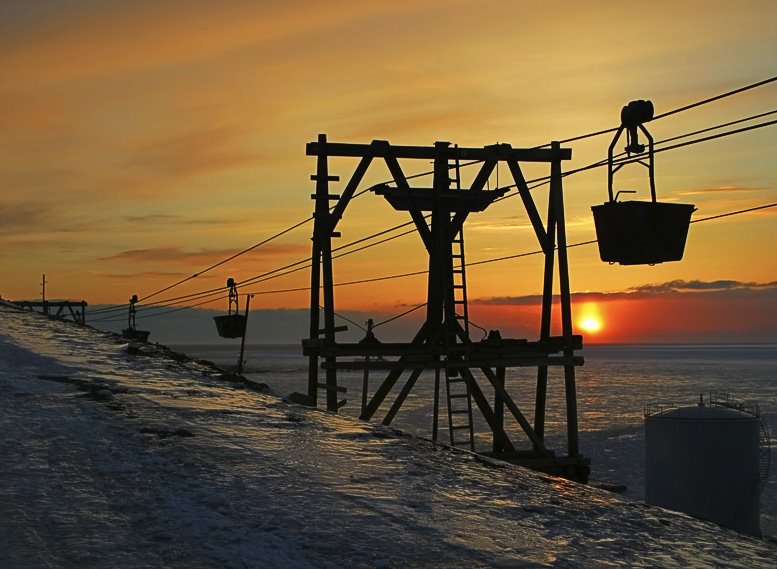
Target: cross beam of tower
<point x="472" y="371"/>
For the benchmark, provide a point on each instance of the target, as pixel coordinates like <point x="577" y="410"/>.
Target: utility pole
<point x="43" y="294"/>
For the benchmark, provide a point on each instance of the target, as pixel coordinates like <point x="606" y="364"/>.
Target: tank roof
<point x="705" y="413"/>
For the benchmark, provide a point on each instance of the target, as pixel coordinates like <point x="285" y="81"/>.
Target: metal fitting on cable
<point x="634" y="115"/>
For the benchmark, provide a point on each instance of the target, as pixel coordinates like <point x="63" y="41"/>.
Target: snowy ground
<point x="114" y="457"/>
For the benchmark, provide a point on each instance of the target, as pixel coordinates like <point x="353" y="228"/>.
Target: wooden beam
<point x="400" y="400"/>
<point x="516" y="412"/>
<point x="383" y="149"/>
<point x="349" y="191"/>
<point x="406" y="363"/>
<point x="388" y="383"/>
<point x="528" y="203"/>
<point x="566" y="304"/>
<point x="485" y="410"/>
<point x="474" y="350"/>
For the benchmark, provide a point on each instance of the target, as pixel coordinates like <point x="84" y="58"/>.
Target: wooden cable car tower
<point x="442" y="344"/>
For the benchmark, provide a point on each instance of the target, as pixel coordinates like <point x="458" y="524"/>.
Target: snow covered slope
<point x="119" y="457"/>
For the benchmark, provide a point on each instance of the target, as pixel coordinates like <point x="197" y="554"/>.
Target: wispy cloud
<point x="104" y="41"/>
<point x="720" y="190"/>
<point x="192" y="153"/>
<point x="22" y="218"/>
<point x="152" y="218"/>
<point x="145" y="275"/>
<point x="670" y="288"/>
<point x="177" y="254"/>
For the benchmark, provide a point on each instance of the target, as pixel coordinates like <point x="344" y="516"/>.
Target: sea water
<point x="613" y="387"/>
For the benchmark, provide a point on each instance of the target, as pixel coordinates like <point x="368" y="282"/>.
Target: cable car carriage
<point x="232" y="324"/>
<point x="639" y="232"/>
<point x="130" y="332"/>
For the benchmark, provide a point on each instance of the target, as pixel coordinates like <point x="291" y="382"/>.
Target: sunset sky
<point x="143" y="141"/>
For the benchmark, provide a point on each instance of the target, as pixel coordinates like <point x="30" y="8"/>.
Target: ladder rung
<point x="459" y="411"/>
<point x="458" y="255"/>
<point x="459" y="427"/>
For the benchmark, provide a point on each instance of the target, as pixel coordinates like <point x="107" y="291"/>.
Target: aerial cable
<point x="177" y="309"/>
<point x="730" y="213"/>
<point x="731" y="123"/>
<point x="717" y="97"/>
<point x="627" y="160"/>
<point x="531" y="183"/>
<point x="714" y="136"/>
<point x="231" y="257"/>
<point x="398" y="316"/>
<point x="571" y="139"/>
<point x="594" y="165"/>
<point x="281" y="233"/>
<point x="677" y="110"/>
<point x="482" y="262"/>
<point x="340" y="316"/>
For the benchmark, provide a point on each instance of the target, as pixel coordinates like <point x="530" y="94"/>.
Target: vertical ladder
<point x="460" y="427"/>
<point x="459" y="398"/>
<point x="459" y="266"/>
<point x="460" y="282"/>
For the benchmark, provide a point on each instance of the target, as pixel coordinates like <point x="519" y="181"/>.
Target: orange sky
<point x="143" y="141"/>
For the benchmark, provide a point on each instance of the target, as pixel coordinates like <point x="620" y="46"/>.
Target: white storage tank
<point x="704" y="460"/>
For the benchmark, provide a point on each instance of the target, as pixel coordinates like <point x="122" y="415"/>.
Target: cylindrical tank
<point x="704" y="461"/>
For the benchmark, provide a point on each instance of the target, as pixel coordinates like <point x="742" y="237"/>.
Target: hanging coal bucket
<point x="231" y="325"/>
<point x="638" y="232"/>
<point x="130" y="332"/>
<point x="641" y="233"/>
<point x="135" y="335"/>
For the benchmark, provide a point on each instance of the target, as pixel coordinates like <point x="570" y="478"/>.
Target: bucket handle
<point x="624" y="192"/>
<point x="633" y="122"/>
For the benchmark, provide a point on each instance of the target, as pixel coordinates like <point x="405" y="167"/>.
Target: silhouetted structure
<point x="635" y="232"/>
<point x="66" y="309"/>
<point x="131" y="333"/>
<point x="443" y="344"/>
<point x="233" y="324"/>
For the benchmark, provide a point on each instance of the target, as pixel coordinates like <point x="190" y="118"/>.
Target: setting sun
<point x="590" y="324"/>
<point x="590" y="318"/>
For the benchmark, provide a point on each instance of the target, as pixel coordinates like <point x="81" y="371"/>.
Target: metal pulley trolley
<point x="639" y="232"/>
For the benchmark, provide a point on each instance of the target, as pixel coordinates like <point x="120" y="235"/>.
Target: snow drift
<point x="122" y="456"/>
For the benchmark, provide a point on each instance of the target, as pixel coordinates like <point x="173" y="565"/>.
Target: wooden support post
<point x="540" y="401"/>
<point x="436" y="403"/>
<point x="400" y="400"/>
<point x="566" y="301"/>
<point x="320" y="222"/>
<point x="241" y="360"/>
<point x="499" y="409"/>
